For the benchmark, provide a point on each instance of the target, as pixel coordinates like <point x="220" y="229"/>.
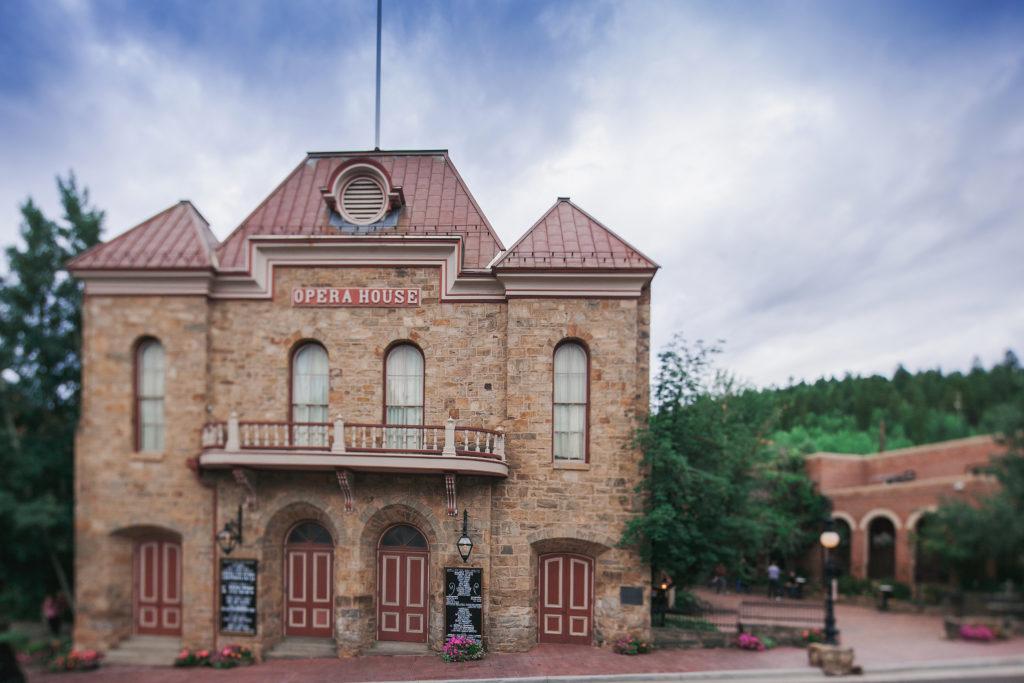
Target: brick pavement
<point x="878" y="639"/>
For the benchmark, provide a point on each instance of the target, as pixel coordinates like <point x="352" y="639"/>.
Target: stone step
<point x="304" y="648"/>
<point x="393" y="648"/>
<point x="145" y="651"/>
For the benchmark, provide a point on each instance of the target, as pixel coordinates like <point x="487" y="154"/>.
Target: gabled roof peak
<point x="567" y="238"/>
<point x="177" y="238"/>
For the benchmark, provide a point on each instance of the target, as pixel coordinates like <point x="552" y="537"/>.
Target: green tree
<point x="40" y="371"/>
<point x="983" y="541"/>
<point x="716" y="490"/>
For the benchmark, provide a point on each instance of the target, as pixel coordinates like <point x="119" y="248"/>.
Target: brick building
<point x="880" y="501"/>
<point x="354" y="366"/>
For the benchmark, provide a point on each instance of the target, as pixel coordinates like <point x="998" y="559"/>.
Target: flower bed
<point x="631" y="646"/>
<point x="978" y="632"/>
<point x="76" y="660"/>
<point x="748" y="641"/>
<point x="812" y="635"/>
<point x="227" y="657"/>
<point x="460" y="649"/>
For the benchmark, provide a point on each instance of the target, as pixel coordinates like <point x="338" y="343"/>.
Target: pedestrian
<point x="52" y="613"/>
<point x="718" y="582"/>
<point x="774" y="590"/>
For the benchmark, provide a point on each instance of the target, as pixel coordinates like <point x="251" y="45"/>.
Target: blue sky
<point x="828" y="186"/>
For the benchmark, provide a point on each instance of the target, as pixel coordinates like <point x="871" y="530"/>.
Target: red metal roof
<point x="177" y="238"/>
<point x="437" y="202"/>
<point x="568" y="238"/>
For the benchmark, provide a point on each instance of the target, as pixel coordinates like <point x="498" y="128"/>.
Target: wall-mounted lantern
<point x="465" y="543"/>
<point x="230" y="536"/>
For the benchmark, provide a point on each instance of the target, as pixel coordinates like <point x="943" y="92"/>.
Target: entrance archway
<point x="841" y="555"/>
<point x="566" y="590"/>
<point x="402" y="564"/>
<point x="927" y="567"/>
<point x="309" y="581"/>
<point x="881" y="548"/>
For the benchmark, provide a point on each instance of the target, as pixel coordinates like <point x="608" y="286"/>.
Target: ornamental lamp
<point x="230" y="536"/>
<point x="829" y="539"/>
<point x="465" y="543"/>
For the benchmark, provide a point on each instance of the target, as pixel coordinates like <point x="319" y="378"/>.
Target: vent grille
<point x="362" y="200"/>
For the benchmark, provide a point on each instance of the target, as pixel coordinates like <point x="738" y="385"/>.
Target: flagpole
<point x="376" y="136"/>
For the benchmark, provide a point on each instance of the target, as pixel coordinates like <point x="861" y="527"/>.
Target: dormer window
<point x="362" y="194"/>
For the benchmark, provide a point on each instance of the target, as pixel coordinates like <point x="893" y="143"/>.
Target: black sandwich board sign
<point x="238" y="597"/>
<point x="463" y="602"/>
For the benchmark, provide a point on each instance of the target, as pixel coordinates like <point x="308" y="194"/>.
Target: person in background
<point x="774" y="589"/>
<point x="718" y="581"/>
<point x="52" y="613"/>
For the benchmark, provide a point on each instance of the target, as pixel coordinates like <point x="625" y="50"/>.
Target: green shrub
<point x="851" y="585"/>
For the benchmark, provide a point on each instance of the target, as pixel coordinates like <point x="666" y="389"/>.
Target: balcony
<point x="365" y="447"/>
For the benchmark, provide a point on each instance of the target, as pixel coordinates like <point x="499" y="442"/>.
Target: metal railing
<point x="707" y="617"/>
<point x="355" y="437"/>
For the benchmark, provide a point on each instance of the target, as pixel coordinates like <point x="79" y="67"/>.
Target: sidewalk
<point x="890" y="647"/>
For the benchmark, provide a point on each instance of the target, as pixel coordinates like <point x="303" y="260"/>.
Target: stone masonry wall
<point x="545" y="506"/>
<point x="121" y="495"/>
<point x="487" y="365"/>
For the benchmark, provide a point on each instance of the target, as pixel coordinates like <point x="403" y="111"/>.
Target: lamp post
<point x="465" y="543"/>
<point x="829" y="541"/>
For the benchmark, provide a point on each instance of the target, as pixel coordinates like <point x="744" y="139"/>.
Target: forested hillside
<point x="868" y="414"/>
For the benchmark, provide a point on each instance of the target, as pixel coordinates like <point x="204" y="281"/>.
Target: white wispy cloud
<point x="816" y="197"/>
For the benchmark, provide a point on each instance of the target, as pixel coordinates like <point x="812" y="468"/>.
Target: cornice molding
<point x="266" y="253"/>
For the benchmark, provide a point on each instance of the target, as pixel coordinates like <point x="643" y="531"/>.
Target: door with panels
<point x="566" y="591"/>
<point x="157" y="587"/>
<point x="402" y="585"/>
<point x="309" y="581"/>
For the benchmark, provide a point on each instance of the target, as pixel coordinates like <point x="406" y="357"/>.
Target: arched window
<point x="404" y="395"/>
<point x="309" y="394"/>
<point x="570" y="402"/>
<point x="149" y="396"/>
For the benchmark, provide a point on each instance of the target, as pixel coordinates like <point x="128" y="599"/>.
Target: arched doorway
<point x="157" y="587"/>
<point x="566" y="591"/>
<point x="881" y="549"/>
<point x="841" y="554"/>
<point x="309" y="581"/>
<point x="402" y="585"/>
<point x="927" y="568"/>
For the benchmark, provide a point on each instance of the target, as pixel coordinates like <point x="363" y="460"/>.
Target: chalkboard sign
<point x="463" y="602"/>
<point x="238" y="596"/>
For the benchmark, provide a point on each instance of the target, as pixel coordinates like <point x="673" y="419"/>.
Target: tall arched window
<point x="149" y="396"/>
<point x="404" y="395"/>
<point x="570" y="402"/>
<point x="309" y="394"/>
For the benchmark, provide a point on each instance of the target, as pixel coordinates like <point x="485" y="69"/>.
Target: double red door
<point x="566" y="586"/>
<point x="402" y="599"/>
<point x="157" y="588"/>
<point x="308" y="572"/>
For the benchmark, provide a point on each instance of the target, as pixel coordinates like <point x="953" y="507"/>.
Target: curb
<point x="966" y="669"/>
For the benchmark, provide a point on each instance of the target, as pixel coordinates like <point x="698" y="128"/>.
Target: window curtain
<point x="151" y="396"/>
<point x="404" y="398"/>
<point x="309" y="395"/>
<point x="570" y="402"/>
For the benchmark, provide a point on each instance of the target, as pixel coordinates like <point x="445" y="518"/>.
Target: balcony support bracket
<point x="247" y="480"/>
<point x="345" y="484"/>
<point x="449" y="488"/>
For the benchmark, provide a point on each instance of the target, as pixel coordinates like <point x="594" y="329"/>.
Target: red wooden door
<point x="308" y="582"/>
<point x="157" y="588"/>
<point x="566" y="587"/>
<point x="402" y="589"/>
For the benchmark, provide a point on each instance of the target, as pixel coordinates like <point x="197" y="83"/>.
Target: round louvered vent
<point x="363" y="200"/>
